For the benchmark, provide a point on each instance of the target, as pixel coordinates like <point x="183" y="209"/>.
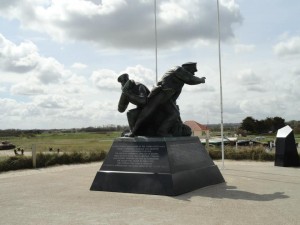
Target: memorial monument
<point x="286" y="153"/>
<point x="158" y="155"/>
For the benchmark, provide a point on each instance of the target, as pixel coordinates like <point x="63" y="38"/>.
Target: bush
<point x="50" y="159"/>
<point x="45" y="160"/>
<point x="247" y="153"/>
<point x="215" y="154"/>
<point x="15" y="163"/>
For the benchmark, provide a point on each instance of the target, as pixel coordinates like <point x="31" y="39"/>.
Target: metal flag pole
<point x="155" y="28"/>
<point x="221" y="94"/>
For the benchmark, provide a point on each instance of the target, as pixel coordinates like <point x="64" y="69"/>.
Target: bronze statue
<point x="159" y="115"/>
<point x="132" y="92"/>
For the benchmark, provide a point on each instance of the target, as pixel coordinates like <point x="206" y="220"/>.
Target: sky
<point x="60" y="59"/>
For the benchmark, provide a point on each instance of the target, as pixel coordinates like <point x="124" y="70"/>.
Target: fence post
<point x="34" y="156"/>
<point x="207" y="140"/>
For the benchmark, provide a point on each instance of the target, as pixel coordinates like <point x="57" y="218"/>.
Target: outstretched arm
<point x="195" y="80"/>
<point x="188" y="77"/>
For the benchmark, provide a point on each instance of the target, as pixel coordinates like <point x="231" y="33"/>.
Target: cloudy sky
<point x="60" y="59"/>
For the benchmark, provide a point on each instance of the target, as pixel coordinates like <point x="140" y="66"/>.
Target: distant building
<point x="198" y="129"/>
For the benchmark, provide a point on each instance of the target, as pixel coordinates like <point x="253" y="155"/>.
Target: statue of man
<point x="164" y="96"/>
<point x="132" y="92"/>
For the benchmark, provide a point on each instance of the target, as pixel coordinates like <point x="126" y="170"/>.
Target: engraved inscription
<point x="136" y="156"/>
<point x="139" y="157"/>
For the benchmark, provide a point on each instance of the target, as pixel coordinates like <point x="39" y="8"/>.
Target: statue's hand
<point x="203" y="79"/>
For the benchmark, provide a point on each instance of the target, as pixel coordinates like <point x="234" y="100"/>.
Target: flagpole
<point x="155" y="28"/>
<point x="221" y="94"/>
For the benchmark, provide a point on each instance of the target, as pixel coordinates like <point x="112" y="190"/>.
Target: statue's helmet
<point x="123" y="78"/>
<point x="190" y="66"/>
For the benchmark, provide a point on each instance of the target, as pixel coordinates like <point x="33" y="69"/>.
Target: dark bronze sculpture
<point x="158" y="114"/>
<point x="132" y="92"/>
<point x="160" y="166"/>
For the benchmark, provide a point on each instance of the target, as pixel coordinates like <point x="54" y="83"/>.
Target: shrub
<point x="15" y="163"/>
<point x="215" y="154"/>
<point x="247" y="153"/>
<point x="45" y="160"/>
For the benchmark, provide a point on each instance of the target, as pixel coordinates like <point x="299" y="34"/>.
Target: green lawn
<point x="66" y="142"/>
<point x="85" y="141"/>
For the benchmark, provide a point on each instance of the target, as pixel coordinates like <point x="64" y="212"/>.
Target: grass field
<point x="66" y="142"/>
<point x="82" y="147"/>
<point x="84" y="141"/>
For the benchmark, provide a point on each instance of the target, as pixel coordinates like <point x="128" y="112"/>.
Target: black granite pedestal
<point x="160" y="166"/>
<point x="286" y="154"/>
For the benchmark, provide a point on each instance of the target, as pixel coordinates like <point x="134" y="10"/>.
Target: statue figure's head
<point x="190" y="66"/>
<point x="123" y="79"/>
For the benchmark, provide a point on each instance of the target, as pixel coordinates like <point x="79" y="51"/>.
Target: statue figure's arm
<point x="123" y="103"/>
<point x="143" y="91"/>
<point x="140" y="99"/>
<point x="188" y="77"/>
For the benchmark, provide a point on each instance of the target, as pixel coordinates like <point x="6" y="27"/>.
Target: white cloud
<point x="141" y="74"/>
<point x="257" y="88"/>
<point x="7" y="105"/>
<point x="296" y="71"/>
<point x="293" y="90"/>
<point x="289" y="47"/>
<point x="34" y="73"/>
<point x="121" y="24"/>
<point x="105" y="79"/>
<point x="270" y="106"/>
<point x="200" y="88"/>
<point x="24" y="58"/>
<point x="17" y="58"/>
<point x="29" y="110"/>
<point x="22" y="111"/>
<point x="108" y="80"/>
<point x="13" y="110"/>
<point x="73" y="84"/>
<point x="251" y="81"/>
<point x="170" y="12"/>
<point x="3" y="89"/>
<point x="27" y="88"/>
<point x="57" y="102"/>
<point x="49" y="71"/>
<point x="49" y="40"/>
<point x="79" y="66"/>
<point x="241" y="48"/>
<point x="248" y="77"/>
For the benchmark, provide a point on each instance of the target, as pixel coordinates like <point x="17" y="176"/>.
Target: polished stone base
<point x="286" y="154"/>
<point x="160" y="166"/>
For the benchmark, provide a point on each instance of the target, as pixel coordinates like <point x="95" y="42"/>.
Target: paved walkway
<point x="254" y="193"/>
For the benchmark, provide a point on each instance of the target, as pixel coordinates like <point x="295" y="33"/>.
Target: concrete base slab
<point x="255" y="193"/>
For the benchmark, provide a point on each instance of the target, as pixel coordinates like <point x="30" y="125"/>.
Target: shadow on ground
<point x="223" y="191"/>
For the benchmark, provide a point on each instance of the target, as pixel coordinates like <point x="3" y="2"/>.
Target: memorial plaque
<point x="137" y="157"/>
<point x="161" y="166"/>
